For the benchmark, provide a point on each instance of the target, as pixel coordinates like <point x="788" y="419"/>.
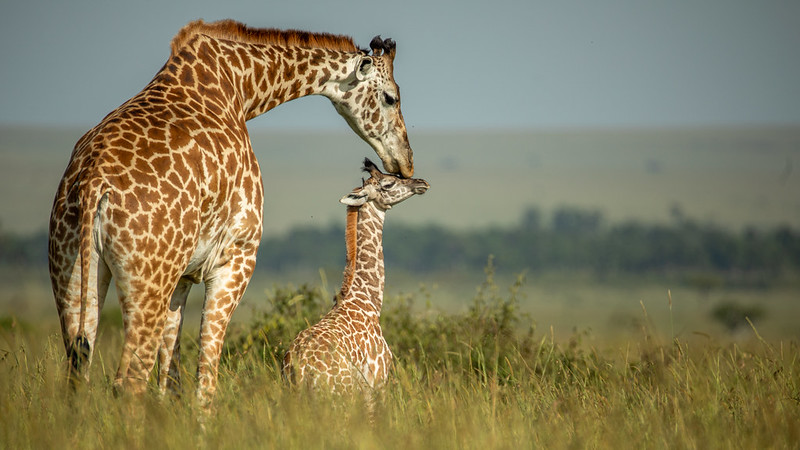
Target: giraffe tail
<point x="89" y="204"/>
<point x="79" y="353"/>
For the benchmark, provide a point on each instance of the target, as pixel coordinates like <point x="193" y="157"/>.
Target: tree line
<point x="570" y="239"/>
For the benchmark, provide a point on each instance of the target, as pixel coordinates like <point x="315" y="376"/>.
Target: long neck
<point x="266" y="75"/>
<point x="364" y="270"/>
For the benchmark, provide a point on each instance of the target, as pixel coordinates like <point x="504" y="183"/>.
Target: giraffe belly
<point x="209" y="254"/>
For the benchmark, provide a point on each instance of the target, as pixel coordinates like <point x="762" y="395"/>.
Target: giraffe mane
<point x="350" y="237"/>
<point x="236" y="31"/>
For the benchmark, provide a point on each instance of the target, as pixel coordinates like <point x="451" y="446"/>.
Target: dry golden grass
<point x="476" y="379"/>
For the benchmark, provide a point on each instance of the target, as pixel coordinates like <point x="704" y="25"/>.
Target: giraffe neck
<point x="279" y="75"/>
<point x="259" y="76"/>
<point x="364" y="271"/>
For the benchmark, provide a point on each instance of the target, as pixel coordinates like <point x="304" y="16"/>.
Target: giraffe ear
<point x="358" y="197"/>
<point x="364" y="68"/>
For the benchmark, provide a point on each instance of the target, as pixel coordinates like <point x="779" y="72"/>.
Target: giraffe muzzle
<point x="422" y="187"/>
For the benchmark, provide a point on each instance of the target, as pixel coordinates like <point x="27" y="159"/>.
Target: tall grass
<point x="481" y="378"/>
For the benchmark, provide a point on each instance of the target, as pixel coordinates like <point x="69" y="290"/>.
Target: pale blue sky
<point x="461" y="64"/>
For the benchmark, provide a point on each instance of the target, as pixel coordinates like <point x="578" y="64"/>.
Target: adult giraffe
<point x="166" y="191"/>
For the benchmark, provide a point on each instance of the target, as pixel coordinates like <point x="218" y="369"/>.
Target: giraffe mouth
<point x="406" y="164"/>
<point x="397" y="167"/>
<point x="407" y="170"/>
<point x="397" y="161"/>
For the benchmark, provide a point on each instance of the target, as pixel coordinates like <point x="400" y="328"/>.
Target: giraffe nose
<point x="420" y="188"/>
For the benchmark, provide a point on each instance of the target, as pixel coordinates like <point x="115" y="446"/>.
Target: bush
<point x="733" y="315"/>
<point x="289" y="310"/>
<point x="485" y="341"/>
<point x="492" y="341"/>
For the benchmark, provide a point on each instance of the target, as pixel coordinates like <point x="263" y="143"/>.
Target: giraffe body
<point x="346" y="348"/>
<point x="166" y="192"/>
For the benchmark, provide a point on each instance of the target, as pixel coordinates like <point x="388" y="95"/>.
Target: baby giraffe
<point x="346" y="348"/>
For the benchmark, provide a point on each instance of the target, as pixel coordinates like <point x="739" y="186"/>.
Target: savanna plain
<point x="498" y="355"/>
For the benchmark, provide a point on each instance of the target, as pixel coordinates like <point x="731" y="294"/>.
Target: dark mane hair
<point x="236" y="31"/>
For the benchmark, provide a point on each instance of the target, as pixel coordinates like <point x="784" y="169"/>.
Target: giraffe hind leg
<point x="144" y="316"/>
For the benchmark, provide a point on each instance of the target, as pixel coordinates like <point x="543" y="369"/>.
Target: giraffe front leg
<point x="224" y="289"/>
<point x="169" y="355"/>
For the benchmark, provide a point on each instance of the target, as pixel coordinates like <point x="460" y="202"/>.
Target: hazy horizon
<point x="733" y="177"/>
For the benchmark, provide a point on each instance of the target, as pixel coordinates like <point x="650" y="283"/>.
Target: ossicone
<point x="379" y="46"/>
<point x="369" y="166"/>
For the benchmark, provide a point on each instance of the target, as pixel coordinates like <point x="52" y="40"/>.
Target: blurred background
<point x="609" y="151"/>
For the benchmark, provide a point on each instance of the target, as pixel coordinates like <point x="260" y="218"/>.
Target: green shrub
<point x="734" y="315"/>
<point x="289" y="310"/>
<point x="492" y="341"/>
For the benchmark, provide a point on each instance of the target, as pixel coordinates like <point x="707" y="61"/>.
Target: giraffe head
<point x="384" y="190"/>
<point x="369" y="100"/>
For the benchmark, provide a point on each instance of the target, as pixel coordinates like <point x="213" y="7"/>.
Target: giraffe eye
<point x="387" y="184"/>
<point x="389" y="99"/>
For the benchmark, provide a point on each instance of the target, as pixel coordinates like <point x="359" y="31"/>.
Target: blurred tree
<point x="575" y="239"/>
<point x="569" y="220"/>
<point x="531" y="219"/>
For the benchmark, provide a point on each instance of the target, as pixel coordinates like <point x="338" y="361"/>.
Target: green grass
<point x="483" y="377"/>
